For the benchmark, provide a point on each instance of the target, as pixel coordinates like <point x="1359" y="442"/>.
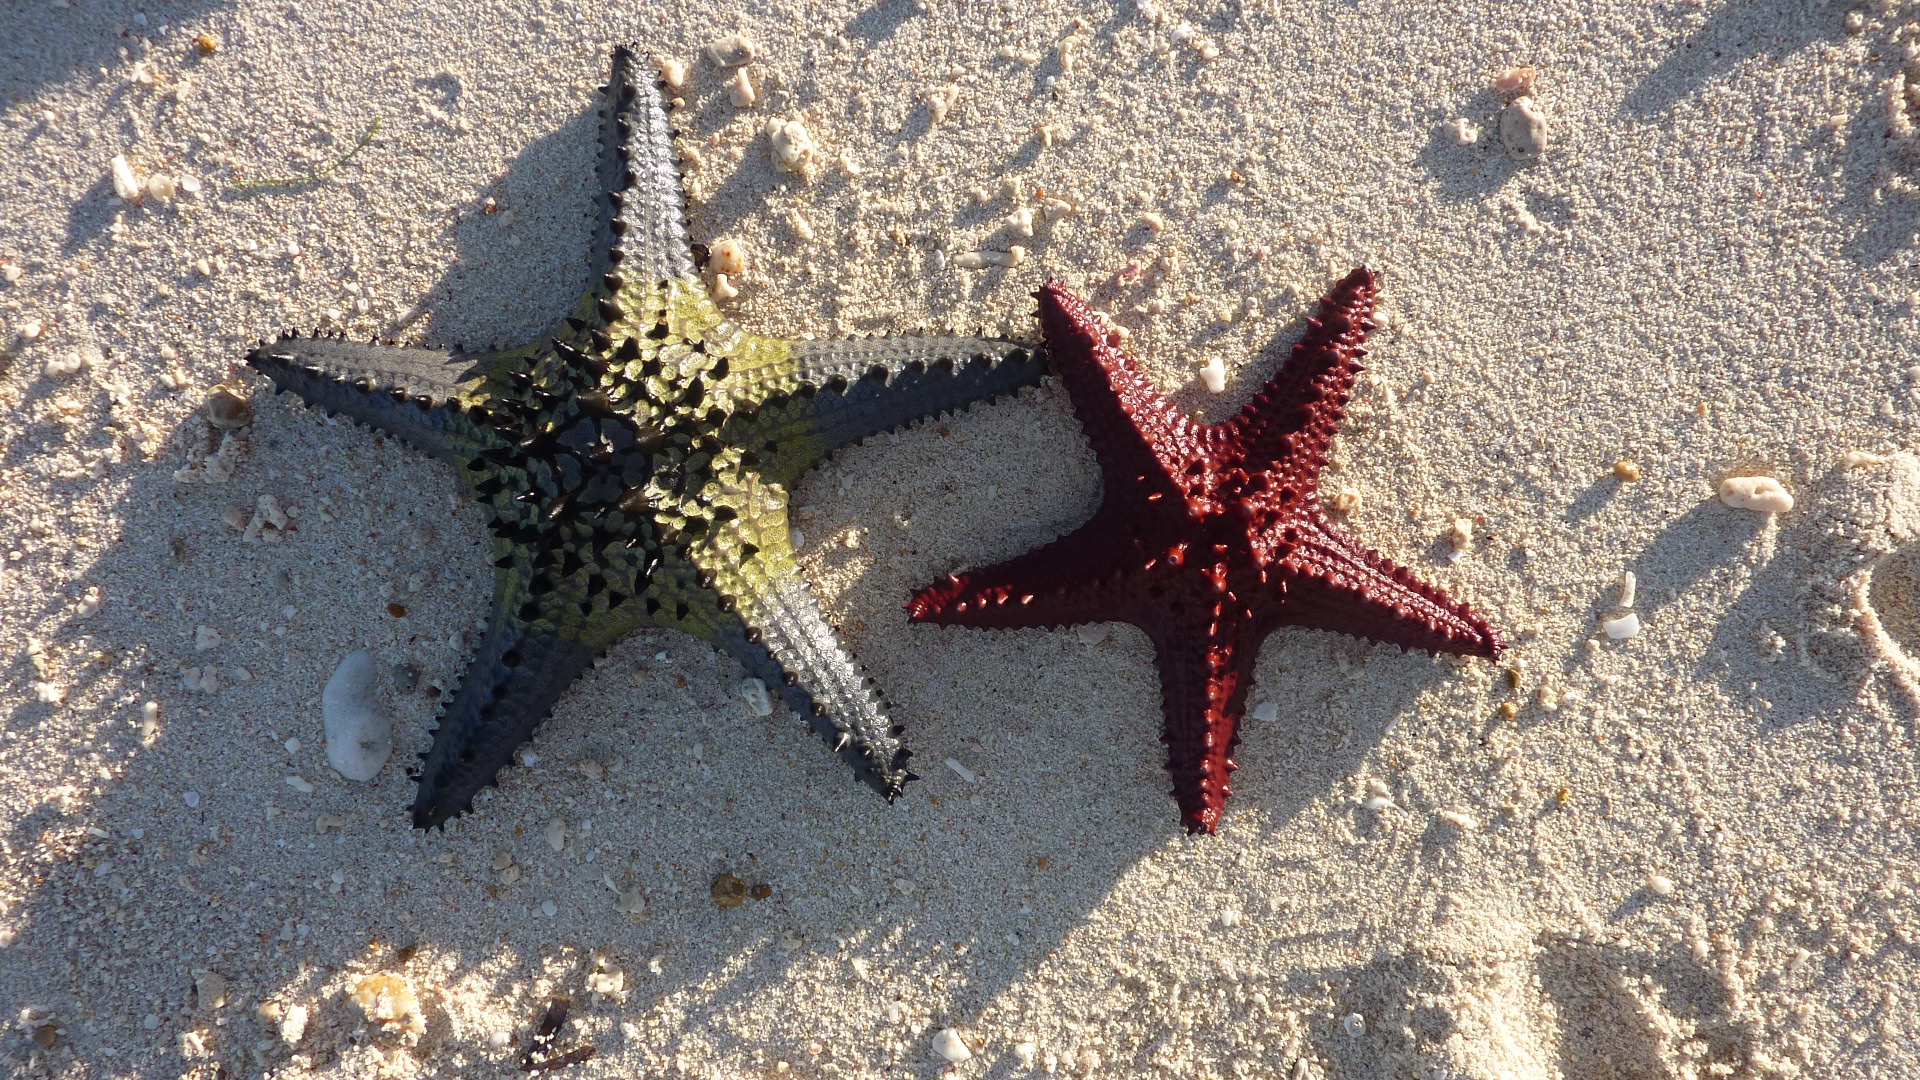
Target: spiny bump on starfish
<point x="635" y="464"/>
<point x="1210" y="536"/>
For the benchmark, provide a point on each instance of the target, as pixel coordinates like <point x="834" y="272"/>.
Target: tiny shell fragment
<point x="1213" y="374"/>
<point x="228" y="409"/>
<point x="948" y="1044"/>
<point x="672" y="72"/>
<point x="792" y="145"/>
<point x="740" y="91"/>
<point x="728" y="257"/>
<point x="1523" y="128"/>
<point x="1625" y="627"/>
<point x="125" y="183"/>
<point x="359" y="731"/>
<point x="1762" y="493"/>
<point x="1516" y="81"/>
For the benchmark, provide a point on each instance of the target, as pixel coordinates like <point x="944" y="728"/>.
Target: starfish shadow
<point x="86" y="43"/>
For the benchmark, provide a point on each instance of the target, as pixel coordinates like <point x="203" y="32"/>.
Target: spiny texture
<point x="636" y="464"/>
<point x="1210" y="537"/>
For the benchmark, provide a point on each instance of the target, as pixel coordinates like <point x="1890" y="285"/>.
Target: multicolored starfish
<point x="1210" y="537"/>
<point x="637" y="463"/>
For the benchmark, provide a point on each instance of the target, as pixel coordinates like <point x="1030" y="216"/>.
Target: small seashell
<point x="1523" y="128"/>
<point x="728" y="257"/>
<point x="948" y="1044"/>
<point x="359" y="731"/>
<point x="1626" y="471"/>
<point x="161" y="186"/>
<point x="1625" y="627"/>
<point x="125" y="183"/>
<point x="1762" y="493"/>
<point x="1378" y="803"/>
<point x="228" y="408"/>
<point x="732" y="51"/>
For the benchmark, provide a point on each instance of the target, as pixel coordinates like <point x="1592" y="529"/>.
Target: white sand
<point x="1711" y="271"/>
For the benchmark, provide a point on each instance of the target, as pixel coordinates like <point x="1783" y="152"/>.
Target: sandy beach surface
<point x="1687" y="853"/>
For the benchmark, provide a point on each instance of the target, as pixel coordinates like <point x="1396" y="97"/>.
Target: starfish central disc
<point x="1210" y="537"/>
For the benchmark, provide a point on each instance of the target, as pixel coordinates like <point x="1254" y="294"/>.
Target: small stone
<point x="300" y="784"/>
<point x="1462" y="131"/>
<point x="389" y="1004"/>
<point x="1458" y="819"/>
<point x="1517" y="80"/>
<point x="732" y="51"/>
<point x="754" y="692"/>
<point x="940" y="103"/>
<point x="1354" y="1024"/>
<point x="1213" y="375"/>
<point x="502" y="859"/>
<point x="500" y="1040"/>
<point x="205" y="637"/>
<point x="31" y="329"/>
<point x="963" y="772"/>
<point x="359" y="731"/>
<point x="549" y="908"/>
<point x="228" y="409"/>
<point x="329" y="821"/>
<point x="948" y="1044"/>
<point x="209" y="989"/>
<point x="1660" y="885"/>
<point x="191" y="798"/>
<point x="672" y="72"/>
<point x="1625" y="627"/>
<point x="1523" y="128"/>
<point x="1460" y="538"/>
<point x="1025" y="1052"/>
<point x="293" y="1025"/>
<point x="161" y="186"/>
<point x="631" y="903"/>
<point x="1154" y="222"/>
<point x="728" y="257"/>
<point x="555" y="834"/>
<point x="728" y="891"/>
<point x="1625" y="471"/>
<point x="1378" y="803"/>
<point x="1020" y="222"/>
<point x="740" y="91"/>
<point x="206" y="44"/>
<point x="1266" y="712"/>
<point x="125" y="184"/>
<point x="1345" y="501"/>
<point x="792" y="145"/>
<point x="608" y="981"/>
<point x="1629" y="589"/>
<point x="1762" y="493"/>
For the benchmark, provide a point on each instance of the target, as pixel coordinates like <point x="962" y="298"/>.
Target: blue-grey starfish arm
<point x="409" y="392"/>
<point x="854" y="388"/>
<point x="643" y="228"/>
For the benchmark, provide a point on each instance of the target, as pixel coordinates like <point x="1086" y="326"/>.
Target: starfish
<point x="636" y="463"/>
<point x="1210" y="537"/>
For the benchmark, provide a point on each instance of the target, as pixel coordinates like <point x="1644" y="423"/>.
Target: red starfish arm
<point x="1338" y="584"/>
<point x="1205" y="673"/>
<point x="1071" y="580"/>
<point x="1135" y="431"/>
<point x="1293" y="418"/>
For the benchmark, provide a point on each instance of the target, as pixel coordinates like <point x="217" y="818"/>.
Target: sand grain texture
<point x="1710" y="272"/>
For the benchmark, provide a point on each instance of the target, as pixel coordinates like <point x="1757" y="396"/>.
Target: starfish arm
<point x="643" y="226"/>
<point x="1338" y="584"/>
<point x="1205" y="673"/>
<point x="1295" y="415"/>
<point x="519" y="671"/>
<point x="1072" y="580"/>
<point x="761" y="612"/>
<point x="1137" y="433"/>
<point x="817" y="396"/>
<point x="416" y="394"/>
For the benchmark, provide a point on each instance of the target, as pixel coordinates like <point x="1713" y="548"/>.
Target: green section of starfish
<point x="637" y="462"/>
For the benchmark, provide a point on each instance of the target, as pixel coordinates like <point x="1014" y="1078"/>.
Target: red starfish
<point x="1210" y="536"/>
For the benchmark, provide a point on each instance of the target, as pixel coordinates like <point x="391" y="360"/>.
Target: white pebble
<point x="1024" y="1052"/>
<point x="160" y="187"/>
<point x="1266" y="712"/>
<point x="555" y="833"/>
<point x="204" y="638"/>
<point x="1378" y="803"/>
<point x="1213" y="375"/>
<point x="976" y="260"/>
<point x="500" y="1040"/>
<point x="125" y="183"/>
<point x="672" y="72"/>
<point x="1625" y="627"/>
<point x="1154" y="221"/>
<point x="732" y="51"/>
<point x="359" y="731"/>
<point x="963" y="772"/>
<point x="549" y="908"/>
<point x="300" y="784"/>
<point x="728" y="257"/>
<point x="1523" y="128"/>
<point x="792" y="145"/>
<point x="191" y="798"/>
<point x="723" y="289"/>
<point x="1020" y="222"/>
<point x="1354" y="1024"/>
<point x="1629" y="589"/>
<point x="940" y="103"/>
<point x="1762" y="493"/>
<point x="1092" y="633"/>
<point x="90" y="603"/>
<point x="1462" y="131"/>
<point x="293" y="1024"/>
<point x="1458" y="819"/>
<point x="740" y="90"/>
<point x="948" y="1044"/>
<point x="759" y="702"/>
<point x="1660" y="885"/>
